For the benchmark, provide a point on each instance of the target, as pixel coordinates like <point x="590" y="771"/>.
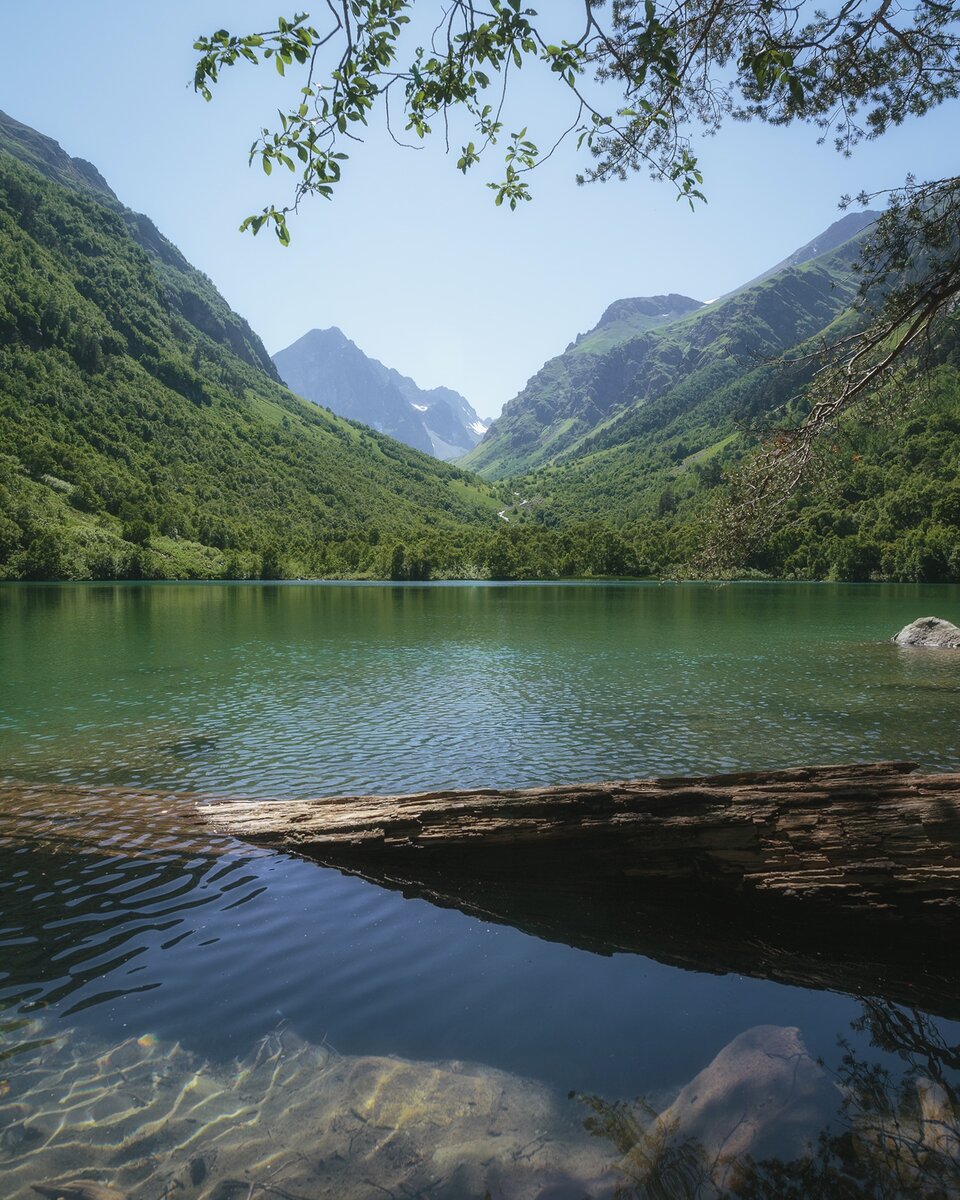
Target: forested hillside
<point x="649" y="360"/>
<point x="882" y="504"/>
<point x="142" y="429"/>
<point x="888" y="506"/>
<point x="143" y="432"/>
<point x="674" y="409"/>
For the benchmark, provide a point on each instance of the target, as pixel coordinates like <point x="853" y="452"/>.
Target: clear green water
<point x="298" y="690"/>
<point x="139" y="928"/>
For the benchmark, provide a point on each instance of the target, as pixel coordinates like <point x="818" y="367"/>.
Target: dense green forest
<point x="144" y="434"/>
<point x="882" y="504"/>
<point x="142" y="430"/>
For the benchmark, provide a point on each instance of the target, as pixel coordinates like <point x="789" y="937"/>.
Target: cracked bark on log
<point x="869" y="837"/>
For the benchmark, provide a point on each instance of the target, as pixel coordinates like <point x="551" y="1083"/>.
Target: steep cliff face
<point x="669" y="351"/>
<point x="325" y="367"/>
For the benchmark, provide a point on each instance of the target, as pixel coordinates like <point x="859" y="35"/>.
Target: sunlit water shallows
<point x="187" y="1017"/>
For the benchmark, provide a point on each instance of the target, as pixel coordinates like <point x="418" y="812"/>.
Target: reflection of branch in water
<point x="914" y="1037"/>
<point x="12" y="1044"/>
<point x="657" y="1164"/>
<point x="906" y="1125"/>
<point x="896" y="1136"/>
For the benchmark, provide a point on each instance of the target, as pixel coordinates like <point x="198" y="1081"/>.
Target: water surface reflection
<point x="202" y="997"/>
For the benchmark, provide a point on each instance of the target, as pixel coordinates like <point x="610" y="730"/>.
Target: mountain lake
<point x="185" y="1017"/>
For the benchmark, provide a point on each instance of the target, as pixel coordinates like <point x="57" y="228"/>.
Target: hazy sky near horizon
<point x="411" y="259"/>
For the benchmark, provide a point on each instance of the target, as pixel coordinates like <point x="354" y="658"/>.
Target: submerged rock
<point x="932" y="632"/>
<point x="763" y="1096"/>
<point x="77" y="1189"/>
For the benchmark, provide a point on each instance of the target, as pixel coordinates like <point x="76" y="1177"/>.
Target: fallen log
<point x="837" y="876"/>
<point x="868" y="837"/>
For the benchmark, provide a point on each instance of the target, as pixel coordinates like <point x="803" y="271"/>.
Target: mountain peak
<point x="50" y="159"/>
<point x="333" y="333"/>
<point x="652" y="359"/>
<point x="325" y="367"/>
<point x="660" y="308"/>
<point x="841" y="231"/>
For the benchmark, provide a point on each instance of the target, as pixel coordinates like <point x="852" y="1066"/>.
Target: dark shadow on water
<point x="682" y="926"/>
<point x="90" y="878"/>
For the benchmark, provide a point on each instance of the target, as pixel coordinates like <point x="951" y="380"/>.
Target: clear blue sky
<point x="412" y="260"/>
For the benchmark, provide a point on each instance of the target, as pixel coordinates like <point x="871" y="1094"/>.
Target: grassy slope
<point x="141" y="429"/>
<point x="580" y="402"/>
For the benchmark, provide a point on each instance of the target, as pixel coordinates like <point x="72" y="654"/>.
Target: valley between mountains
<point x="146" y="433"/>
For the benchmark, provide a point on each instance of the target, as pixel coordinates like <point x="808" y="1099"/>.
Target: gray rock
<point x="763" y="1096"/>
<point x="931" y="632"/>
<point x="78" y="1189"/>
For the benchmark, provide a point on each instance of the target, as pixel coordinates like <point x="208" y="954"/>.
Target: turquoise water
<point x="123" y="705"/>
<point x="297" y="690"/>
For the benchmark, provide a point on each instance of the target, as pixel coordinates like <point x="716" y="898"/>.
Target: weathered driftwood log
<point x="843" y="877"/>
<point x="868" y="838"/>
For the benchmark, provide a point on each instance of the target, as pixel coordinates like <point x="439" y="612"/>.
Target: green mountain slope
<point x="616" y="383"/>
<point x="888" y="504"/>
<point x="882" y="504"/>
<point x="637" y="487"/>
<point x="143" y="433"/>
<point x="142" y="428"/>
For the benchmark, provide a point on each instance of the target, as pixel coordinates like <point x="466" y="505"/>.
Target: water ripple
<point x="125" y="706"/>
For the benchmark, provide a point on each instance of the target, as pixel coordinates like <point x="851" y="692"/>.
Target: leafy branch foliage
<point x="639" y="77"/>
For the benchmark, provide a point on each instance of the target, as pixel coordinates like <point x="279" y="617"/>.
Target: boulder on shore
<point x="932" y="632"/>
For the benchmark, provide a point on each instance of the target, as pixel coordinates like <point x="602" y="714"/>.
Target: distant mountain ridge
<point x="650" y="358"/>
<point x="834" y="236"/>
<point x="327" y="368"/>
